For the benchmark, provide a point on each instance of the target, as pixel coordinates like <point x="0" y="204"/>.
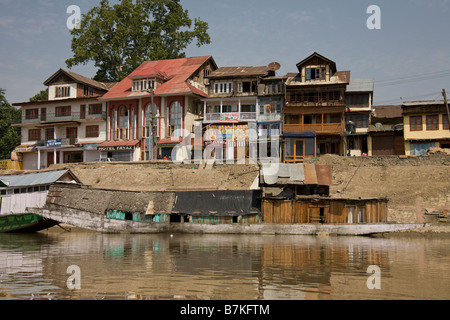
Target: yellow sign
<point x="10" y="165"/>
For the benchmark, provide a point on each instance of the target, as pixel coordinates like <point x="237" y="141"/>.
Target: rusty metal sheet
<point x="324" y="175"/>
<point x="309" y="171"/>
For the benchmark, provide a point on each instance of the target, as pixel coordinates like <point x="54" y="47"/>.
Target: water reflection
<point x="221" y="267"/>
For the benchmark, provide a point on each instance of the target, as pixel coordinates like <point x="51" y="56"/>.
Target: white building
<point x="68" y="127"/>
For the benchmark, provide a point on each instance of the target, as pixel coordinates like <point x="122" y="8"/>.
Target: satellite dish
<point x="274" y="66"/>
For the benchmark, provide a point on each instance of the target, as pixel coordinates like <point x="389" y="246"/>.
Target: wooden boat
<point x="26" y="222"/>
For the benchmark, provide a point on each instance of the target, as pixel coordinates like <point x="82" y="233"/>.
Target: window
<point x="229" y="108"/>
<point x="315" y="74"/>
<point x="292" y="119"/>
<point x="62" y="92"/>
<point x="34" y="134"/>
<point x="359" y="100"/>
<point x="432" y="122"/>
<point x="248" y="108"/>
<point x="92" y="131"/>
<point x="445" y="122"/>
<point x="49" y="133"/>
<point x="176" y="117"/>
<point x="31" y="114"/>
<point x="415" y="123"/>
<point x="213" y="109"/>
<point x="88" y="91"/>
<point x="143" y="85"/>
<point x="63" y="111"/>
<point x="71" y="133"/>
<point x="223" y="87"/>
<point x="360" y="120"/>
<point x="95" y="108"/>
<point x="123" y="123"/>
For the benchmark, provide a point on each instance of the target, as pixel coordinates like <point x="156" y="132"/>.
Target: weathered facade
<point x="232" y="109"/>
<point x="313" y="114"/>
<point x="68" y="127"/>
<point x="426" y="125"/>
<point x="155" y="107"/>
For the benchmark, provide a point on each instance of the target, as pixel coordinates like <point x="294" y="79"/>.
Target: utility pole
<point x="152" y="126"/>
<point x="446" y="105"/>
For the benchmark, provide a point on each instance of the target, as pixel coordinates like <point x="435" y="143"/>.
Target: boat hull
<point x="26" y="222"/>
<point x="100" y="223"/>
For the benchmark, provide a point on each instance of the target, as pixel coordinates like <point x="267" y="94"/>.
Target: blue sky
<point x="412" y="48"/>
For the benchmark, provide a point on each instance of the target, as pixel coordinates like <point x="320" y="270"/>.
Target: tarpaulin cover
<point x="218" y="203"/>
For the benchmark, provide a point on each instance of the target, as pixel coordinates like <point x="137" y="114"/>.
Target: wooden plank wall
<point x="334" y="212"/>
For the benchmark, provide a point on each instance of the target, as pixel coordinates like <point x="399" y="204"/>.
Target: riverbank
<point x="417" y="186"/>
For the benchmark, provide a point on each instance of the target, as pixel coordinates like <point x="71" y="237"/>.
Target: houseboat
<point x="20" y="191"/>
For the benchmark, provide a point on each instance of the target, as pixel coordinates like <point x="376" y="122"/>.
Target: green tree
<point x="41" y="96"/>
<point x="119" y="38"/>
<point x="9" y="136"/>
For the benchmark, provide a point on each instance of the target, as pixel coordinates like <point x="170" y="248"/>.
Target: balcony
<point x="60" y="117"/>
<point x="320" y="128"/>
<point x="270" y="117"/>
<point x="233" y="117"/>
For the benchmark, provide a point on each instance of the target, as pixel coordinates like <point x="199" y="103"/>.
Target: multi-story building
<point x="359" y="97"/>
<point x="238" y="97"/>
<point x="155" y="107"/>
<point x="67" y="127"/>
<point x="426" y="125"/>
<point x="314" y="110"/>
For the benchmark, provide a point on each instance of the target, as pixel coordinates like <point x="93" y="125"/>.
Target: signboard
<point x="229" y="117"/>
<point x="55" y="143"/>
<point x="117" y="148"/>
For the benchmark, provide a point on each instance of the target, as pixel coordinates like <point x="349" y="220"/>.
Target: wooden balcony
<point x="321" y="128"/>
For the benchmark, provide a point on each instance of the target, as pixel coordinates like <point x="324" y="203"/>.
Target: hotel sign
<point x="117" y="148"/>
<point x="53" y="143"/>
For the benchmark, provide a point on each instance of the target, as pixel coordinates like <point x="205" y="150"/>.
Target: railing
<point x="60" y="117"/>
<point x="270" y="117"/>
<point x="333" y="128"/>
<point x="230" y="117"/>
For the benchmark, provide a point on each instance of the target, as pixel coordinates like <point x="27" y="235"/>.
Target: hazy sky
<point x="409" y="57"/>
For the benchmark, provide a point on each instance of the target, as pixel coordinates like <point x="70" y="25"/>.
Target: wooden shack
<point x="323" y="210"/>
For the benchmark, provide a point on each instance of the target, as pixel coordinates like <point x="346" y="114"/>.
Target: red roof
<point x="177" y="71"/>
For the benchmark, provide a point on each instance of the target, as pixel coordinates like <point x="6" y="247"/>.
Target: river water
<point x="80" y="265"/>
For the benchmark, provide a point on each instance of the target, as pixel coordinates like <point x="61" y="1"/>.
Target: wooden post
<point x="446" y="105"/>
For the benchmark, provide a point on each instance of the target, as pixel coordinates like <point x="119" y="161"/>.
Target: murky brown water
<point x="221" y="267"/>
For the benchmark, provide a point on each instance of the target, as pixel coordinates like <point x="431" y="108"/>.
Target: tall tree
<point x="9" y="136"/>
<point x="119" y="38"/>
<point x="41" y="96"/>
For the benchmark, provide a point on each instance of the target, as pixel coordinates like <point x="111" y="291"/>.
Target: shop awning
<point x="125" y="145"/>
<point x="299" y="134"/>
<point x="217" y="203"/>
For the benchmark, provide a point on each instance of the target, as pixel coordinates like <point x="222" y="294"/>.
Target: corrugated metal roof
<point x="360" y="85"/>
<point x="32" y="179"/>
<point x="304" y="174"/>
<point x="175" y="71"/>
<point x="238" y="72"/>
